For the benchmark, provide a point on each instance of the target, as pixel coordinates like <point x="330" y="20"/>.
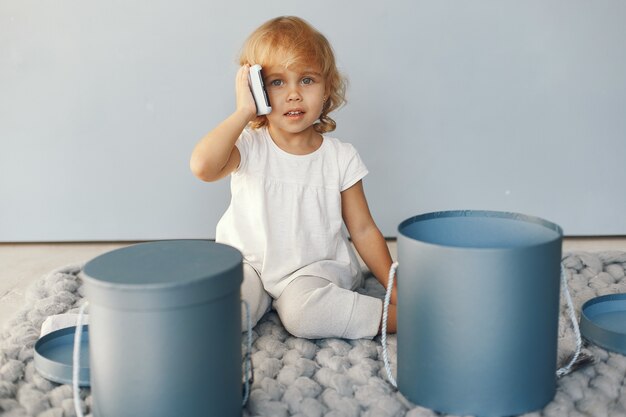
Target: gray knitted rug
<point x="328" y="377"/>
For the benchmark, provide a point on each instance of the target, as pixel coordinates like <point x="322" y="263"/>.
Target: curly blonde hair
<point x="292" y="42"/>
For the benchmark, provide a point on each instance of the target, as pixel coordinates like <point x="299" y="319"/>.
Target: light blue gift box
<point x="478" y="306"/>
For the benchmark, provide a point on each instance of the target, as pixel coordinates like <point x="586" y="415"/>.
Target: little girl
<point x="293" y="188"/>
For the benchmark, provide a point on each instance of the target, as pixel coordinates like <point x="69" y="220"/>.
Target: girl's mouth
<point x="294" y="113"/>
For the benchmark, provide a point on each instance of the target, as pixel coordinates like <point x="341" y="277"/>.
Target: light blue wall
<point x="501" y="105"/>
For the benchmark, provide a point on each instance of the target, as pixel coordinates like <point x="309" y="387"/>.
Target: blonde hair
<point x="292" y="42"/>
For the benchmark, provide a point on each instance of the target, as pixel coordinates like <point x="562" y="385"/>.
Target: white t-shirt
<point x="285" y="211"/>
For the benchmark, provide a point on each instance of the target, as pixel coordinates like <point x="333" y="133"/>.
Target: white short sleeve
<point x="355" y="169"/>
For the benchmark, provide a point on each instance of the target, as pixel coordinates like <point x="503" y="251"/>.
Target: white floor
<point x="23" y="263"/>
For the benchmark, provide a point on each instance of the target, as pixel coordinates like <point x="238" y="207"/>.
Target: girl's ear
<point x="325" y="105"/>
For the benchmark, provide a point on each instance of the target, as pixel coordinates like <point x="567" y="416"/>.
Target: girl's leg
<point x="313" y="307"/>
<point x="253" y="292"/>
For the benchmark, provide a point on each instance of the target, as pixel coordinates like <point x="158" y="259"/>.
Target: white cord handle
<point x="76" y="360"/>
<point x="572" y="316"/>
<point x="248" y="357"/>
<point x="392" y="274"/>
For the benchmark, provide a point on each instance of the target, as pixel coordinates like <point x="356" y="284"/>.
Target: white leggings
<point x="314" y="308"/>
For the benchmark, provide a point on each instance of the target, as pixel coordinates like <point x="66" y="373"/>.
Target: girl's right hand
<point x="245" y="100"/>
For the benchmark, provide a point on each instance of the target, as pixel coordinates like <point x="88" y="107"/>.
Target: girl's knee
<point x="297" y="324"/>
<point x="300" y="314"/>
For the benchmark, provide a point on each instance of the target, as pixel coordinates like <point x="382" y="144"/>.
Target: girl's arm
<point x="367" y="238"/>
<point x="216" y="155"/>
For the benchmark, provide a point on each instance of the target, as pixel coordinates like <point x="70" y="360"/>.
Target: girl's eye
<point x="307" y="80"/>
<point x="276" y="83"/>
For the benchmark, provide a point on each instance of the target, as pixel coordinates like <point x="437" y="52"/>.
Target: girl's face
<point x="296" y="96"/>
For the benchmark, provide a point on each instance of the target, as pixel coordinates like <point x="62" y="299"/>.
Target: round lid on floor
<point x="603" y="322"/>
<point x="54" y="353"/>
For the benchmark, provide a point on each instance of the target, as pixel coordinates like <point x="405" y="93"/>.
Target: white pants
<point x="314" y="308"/>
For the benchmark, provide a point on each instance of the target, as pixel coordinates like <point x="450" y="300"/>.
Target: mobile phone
<point x="262" y="101"/>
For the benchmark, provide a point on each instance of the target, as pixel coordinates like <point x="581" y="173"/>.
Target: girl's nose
<point x="294" y="95"/>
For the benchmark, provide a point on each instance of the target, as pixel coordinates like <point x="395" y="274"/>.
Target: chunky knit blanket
<point x="327" y="377"/>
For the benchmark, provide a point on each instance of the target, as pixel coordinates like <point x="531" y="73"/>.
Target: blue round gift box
<point x="478" y="305"/>
<point x="165" y="330"/>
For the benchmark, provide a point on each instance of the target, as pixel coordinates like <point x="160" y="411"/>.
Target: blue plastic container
<point x="165" y="330"/>
<point x="478" y="305"/>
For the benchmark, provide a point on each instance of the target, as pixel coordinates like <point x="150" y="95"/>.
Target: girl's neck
<point x="300" y="143"/>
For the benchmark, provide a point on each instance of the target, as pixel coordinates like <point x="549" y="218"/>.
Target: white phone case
<point x="255" y="79"/>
